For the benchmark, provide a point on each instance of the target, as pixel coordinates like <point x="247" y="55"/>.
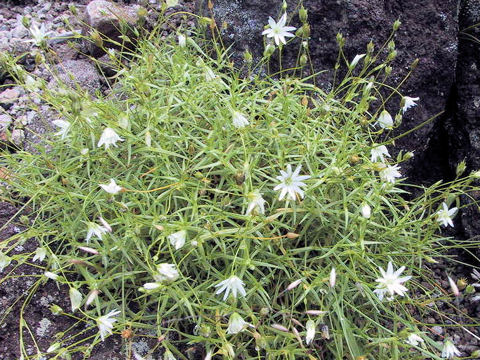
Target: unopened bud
<point x="461" y="168"/>
<point x="91" y="297"/>
<point x="294" y="284"/>
<point x="142" y="12"/>
<point x="280" y="327"/>
<point x="366" y="211"/>
<point x="264" y="311"/>
<point x="303" y="14"/>
<point x="26" y="22"/>
<point x="315" y="312"/>
<point x="97" y="38"/>
<point x="370" y="47"/>
<point x="388" y="70"/>
<point x="462" y="283"/>
<point x="392" y="55"/>
<point x="453" y="286"/>
<point x="303" y="60"/>
<point x="469" y="289"/>
<point x="247" y="56"/>
<point x="340" y="40"/>
<point x="333" y="278"/>
<point x="269" y="50"/>
<point x="396" y="25"/>
<point x="88" y="250"/>
<point x="354" y="159"/>
<point x="56" y="310"/>
<point x="414" y="64"/>
<point x="292" y="235"/>
<point x="284" y="5"/>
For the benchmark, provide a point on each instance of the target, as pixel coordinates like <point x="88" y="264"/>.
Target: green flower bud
<point x="303" y="60"/>
<point x="469" y="289"/>
<point x="461" y="168"/>
<point x="269" y="50"/>
<point x="396" y="25"/>
<point x="247" y="56"/>
<point x="370" y="47"/>
<point x="303" y="14"/>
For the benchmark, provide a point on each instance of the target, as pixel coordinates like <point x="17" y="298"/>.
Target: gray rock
<point x="17" y="137"/>
<point x="78" y="72"/>
<point x="9" y="97"/>
<point x="105" y="17"/>
<point x="5" y="121"/>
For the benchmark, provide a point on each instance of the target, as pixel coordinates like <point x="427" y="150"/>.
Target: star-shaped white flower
<point x="40" y="254"/>
<point x="166" y="273"/>
<point x="39" y="34"/>
<point x="450" y="350"/>
<point x="385" y="120"/>
<point x="256" y="204"/>
<point x="278" y="30"/>
<point x="391" y="281"/>
<point x="408" y="102"/>
<point x="239" y="120"/>
<point x="389" y="173"/>
<point x="378" y="152"/>
<point x="109" y="137"/>
<point x="64" y="128"/>
<point x="178" y="239"/>
<point x="105" y="323"/>
<point x="290" y="183"/>
<point x="236" y="324"/>
<point x="444" y="216"/>
<point x="233" y="284"/>
<point x="112" y="187"/>
<point x="414" y="340"/>
<point x="95" y="229"/>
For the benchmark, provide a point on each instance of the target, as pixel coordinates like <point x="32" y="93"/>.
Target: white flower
<point x="389" y="173"/>
<point x="236" y="324"/>
<point x="40" y="254"/>
<point x="278" y="30"/>
<point x="256" y="204"/>
<point x="450" y="350"/>
<point x="310" y="331"/>
<point x="408" y="102"/>
<point x="414" y="340"/>
<point x="50" y="275"/>
<point x="105" y="323"/>
<point x="233" y="284"/>
<point x="182" y="40"/>
<point x="290" y="183"/>
<point x="355" y="60"/>
<point x="178" y="239"/>
<point x="444" y="216"/>
<point x="75" y="298"/>
<point x="391" y="281"/>
<point x="209" y="74"/>
<point x="453" y="286"/>
<point x="378" y="152"/>
<point x="385" y="120"/>
<point x="166" y="272"/>
<point x="64" y="128"/>
<point x="95" y="229"/>
<point x="366" y="211"/>
<point x="208" y="356"/>
<point x="4" y="261"/>
<point x="108" y="137"/>
<point x="112" y="187"/>
<point x="239" y="120"/>
<point x="39" y="35"/>
<point x="333" y="278"/>
<point x="105" y="224"/>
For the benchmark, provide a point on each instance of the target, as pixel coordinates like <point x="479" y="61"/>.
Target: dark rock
<point x="465" y="124"/>
<point x="106" y="18"/>
<point x="428" y="32"/>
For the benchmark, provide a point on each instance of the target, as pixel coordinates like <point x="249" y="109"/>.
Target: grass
<point x="184" y="167"/>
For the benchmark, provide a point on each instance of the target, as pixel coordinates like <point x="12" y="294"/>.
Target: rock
<point x="81" y="72"/>
<point x="5" y="121"/>
<point x="17" y="137"/>
<point x="8" y="97"/>
<point x="105" y="16"/>
<point x="428" y="32"/>
<point x="464" y="124"/>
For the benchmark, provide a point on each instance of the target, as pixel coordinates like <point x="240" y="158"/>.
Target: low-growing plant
<point x="260" y="218"/>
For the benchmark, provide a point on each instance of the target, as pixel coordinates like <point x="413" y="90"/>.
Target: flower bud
<point x="303" y="14"/>
<point x="396" y="25"/>
<point x="294" y="284"/>
<point x="280" y="327"/>
<point x="461" y="168"/>
<point x="269" y="50"/>
<point x="292" y="235"/>
<point x="453" y="286"/>
<point x="284" y="5"/>
<point x="97" y="38"/>
<point x="388" y="70"/>
<point x="303" y="60"/>
<point x="462" y="283"/>
<point x="247" y="56"/>
<point x="264" y="311"/>
<point x="370" y="47"/>
<point x="56" y="310"/>
<point x="469" y="289"/>
<point x="26" y="22"/>
<point x="340" y="40"/>
<point x="366" y="211"/>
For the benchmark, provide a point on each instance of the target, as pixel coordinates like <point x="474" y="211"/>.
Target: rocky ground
<point x="21" y="126"/>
